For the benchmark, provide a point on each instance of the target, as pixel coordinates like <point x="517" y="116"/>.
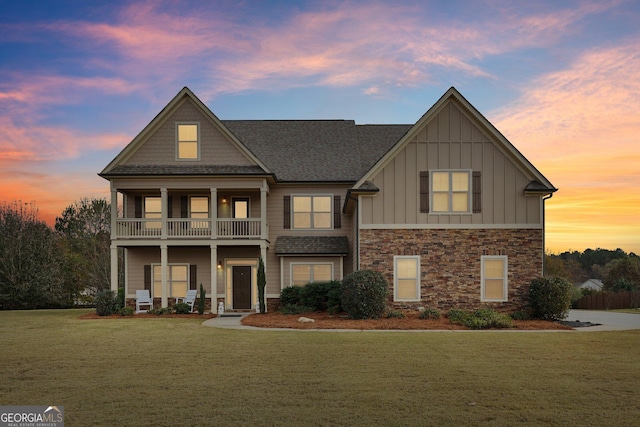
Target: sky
<point x="560" y="79"/>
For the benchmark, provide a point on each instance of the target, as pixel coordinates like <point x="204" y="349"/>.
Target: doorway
<point x="241" y="287"/>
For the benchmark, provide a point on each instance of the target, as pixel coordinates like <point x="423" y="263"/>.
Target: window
<point x="450" y="191"/>
<point x="301" y="274"/>
<point x="177" y="280"/>
<point x="199" y="209"/>
<point x="188" y="142"/>
<point x="406" y="278"/>
<point x="494" y="278"/>
<point x="152" y="209"/>
<point x="311" y="212"/>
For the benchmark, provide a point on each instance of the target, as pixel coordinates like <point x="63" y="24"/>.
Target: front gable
<point x="155" y="149"/>
<point x="453" y="136"/>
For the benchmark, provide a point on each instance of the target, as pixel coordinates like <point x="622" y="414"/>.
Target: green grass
<point x="627" y="310"/>
<point x="178" y="372"/>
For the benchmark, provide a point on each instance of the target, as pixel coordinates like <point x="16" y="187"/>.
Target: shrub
<point x="316" y="295"/>
<point x="485" y="318"/>
<point x="126" y="311"/>
<point x="182" y="308"/>
<point x="106" y="303"/>
<point x="121" y="302"/>
<point x="395" y="314"/>
<point x="290" y="295"/>
<point x="294" y="309"/>
<point x="364" y="294"/>
<point x="334" y="298"/>
<point x="429" y="313"/>
<point x="550" y="298"/>
<point x="455" y="315"/>
<point x="201" y="301"/>
<point x="520" y="315"/>
<point x="262" y="283"/>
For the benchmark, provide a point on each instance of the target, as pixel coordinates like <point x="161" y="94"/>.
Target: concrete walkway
<point x="606" y="320"/>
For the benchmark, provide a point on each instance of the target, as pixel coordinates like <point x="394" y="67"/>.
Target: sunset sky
<point x="560" y="79"/>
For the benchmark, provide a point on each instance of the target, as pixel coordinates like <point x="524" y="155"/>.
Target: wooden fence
<point x="609" y="301"/>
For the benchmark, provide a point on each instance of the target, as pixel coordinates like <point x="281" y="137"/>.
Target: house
<point x="592" y="284"/>
<point x="447" y="209"/>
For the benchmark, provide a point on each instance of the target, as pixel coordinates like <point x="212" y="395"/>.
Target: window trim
<point x="311" y="264"/>
<point x="417" y="278"/>
<point x="169" y="281"/>
<point x="197" y="141"/>
<point x="505" y="278"/>
<point x="312" y="196"/>
<point x="450" y="193"/>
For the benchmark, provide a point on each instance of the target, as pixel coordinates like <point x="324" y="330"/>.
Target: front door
<point x="241" y="287"/>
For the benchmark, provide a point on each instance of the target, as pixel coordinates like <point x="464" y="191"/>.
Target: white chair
<point x="143" y="298"/>
<point x="190" y="299"/>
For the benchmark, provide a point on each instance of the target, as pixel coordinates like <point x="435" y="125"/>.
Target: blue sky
<point x="560" y="79"/>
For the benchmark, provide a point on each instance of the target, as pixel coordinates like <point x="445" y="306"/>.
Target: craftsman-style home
<point x="447" y="208"/>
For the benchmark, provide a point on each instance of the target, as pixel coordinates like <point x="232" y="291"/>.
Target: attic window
<point x="188" y="147"/>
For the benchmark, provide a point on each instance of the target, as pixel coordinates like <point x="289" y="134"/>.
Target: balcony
<point x="188" y="228"/>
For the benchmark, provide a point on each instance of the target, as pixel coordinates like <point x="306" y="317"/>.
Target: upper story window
<point x="152" y="209"/>
<point x="311" y="212"/>
<point x="450" y="191"/>
<point x="199" y="206"/>
<point x="188" y="141"/>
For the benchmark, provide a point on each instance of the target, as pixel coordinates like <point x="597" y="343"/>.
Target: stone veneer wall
<point x="450" y="263"/>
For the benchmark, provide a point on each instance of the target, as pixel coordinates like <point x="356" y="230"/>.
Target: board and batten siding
<point x="215" y="147"/>
<point x="451" y="141"/>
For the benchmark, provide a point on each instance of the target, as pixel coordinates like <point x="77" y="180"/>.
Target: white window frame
<point x="197" y="141"/>
<point x="312" y="196"/>
<point x="469" y="192"/>
<point x="169" y="279"/>
<point x="505" y="279"/>
<point x="396" y="277"/>
<point x="310" y="264"/>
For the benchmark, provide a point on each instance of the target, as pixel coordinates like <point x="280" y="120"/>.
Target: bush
<point x="550" y="298"/>
<point x="126" y="311"/>
<point x="455" y="315"/>
<point x="290" y="295"/>
<point x="182" y="308"/>
<point x="121" y="302"/>
<point x="520" y="315"/>
<point x="364" y="294"/>
<point x="106" y="303"/>
<point x="486" y="318"/>
<point x="395" y="314"/>
<point x="295" y="309"/>
<point x="429" y="313"/>
<point x="201" y="300"/>
<point x="318" y="294"/>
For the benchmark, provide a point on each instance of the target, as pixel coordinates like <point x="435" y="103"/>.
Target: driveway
<point x="607" y="320"/>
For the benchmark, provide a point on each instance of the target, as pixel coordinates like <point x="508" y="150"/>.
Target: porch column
<point x="163" y="267"/>
<point x="214" y="214"/>
<point x="164" y="201"/>
<point x="114" y="212"/>
<point x="114" y="268"/>
<point x="214" y="278"/>
<point x="263" y="213"/>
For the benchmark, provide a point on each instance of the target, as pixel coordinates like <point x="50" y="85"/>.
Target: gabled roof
<point x="540" y="184"/>
<point x="117" y="163"/>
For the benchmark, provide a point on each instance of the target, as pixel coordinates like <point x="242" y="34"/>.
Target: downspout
<point x="544" y="229"/>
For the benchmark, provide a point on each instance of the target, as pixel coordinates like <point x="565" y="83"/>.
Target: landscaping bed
<point x="411" y="321"/>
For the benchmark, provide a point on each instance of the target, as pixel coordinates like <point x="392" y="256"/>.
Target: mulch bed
<point x="411" y="321"/>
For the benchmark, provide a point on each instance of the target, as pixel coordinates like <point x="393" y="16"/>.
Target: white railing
<point x="226" y="228"/>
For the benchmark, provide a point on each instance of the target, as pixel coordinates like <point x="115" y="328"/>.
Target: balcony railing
<point x="196" y="228"/>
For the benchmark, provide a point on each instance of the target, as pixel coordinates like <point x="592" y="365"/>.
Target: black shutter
<point x="287" y="212"/>
<point x="147" y="278"/>
<point x="184" y="207"/>
<point x="477" y="192"/>
<point x="337" y="223"/>
<point x="170" y="207"/>
<point x="193" y="279"/>
<point x="138" y="207"/>
<point x="424" y="191"/>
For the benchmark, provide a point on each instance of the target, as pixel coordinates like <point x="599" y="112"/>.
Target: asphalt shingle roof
<point x="312" y="245"/>
<point x="134" y="170"/>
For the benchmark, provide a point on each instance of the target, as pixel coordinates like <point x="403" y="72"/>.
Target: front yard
<point x="167" y="371"/>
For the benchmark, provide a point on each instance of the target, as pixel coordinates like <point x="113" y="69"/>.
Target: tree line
<point x="44" y="267"/>
<point x="618" y="270"/>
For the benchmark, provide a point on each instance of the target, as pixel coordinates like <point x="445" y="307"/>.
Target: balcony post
<point x="114" y="212"/>
<point x="164" y="270"/>
<point x="114" y="268"/>
<point x="214" y="277"/>
<point x="263" y="213"/>
<point x="164" y="202"/>
<point x="214" y="213"/>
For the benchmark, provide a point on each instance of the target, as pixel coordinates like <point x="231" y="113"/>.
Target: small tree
<point x="201" y="300"/>
<point x="550" y="298"/>
<point x="364" y="294"/>
<point x="262" y="283"/>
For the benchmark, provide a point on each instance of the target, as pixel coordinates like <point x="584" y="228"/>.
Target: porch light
<point x="219" y="265"/>
<point x="224" y="200"/>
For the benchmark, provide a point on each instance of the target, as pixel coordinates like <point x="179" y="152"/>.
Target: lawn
<point x="178" y="372"/>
